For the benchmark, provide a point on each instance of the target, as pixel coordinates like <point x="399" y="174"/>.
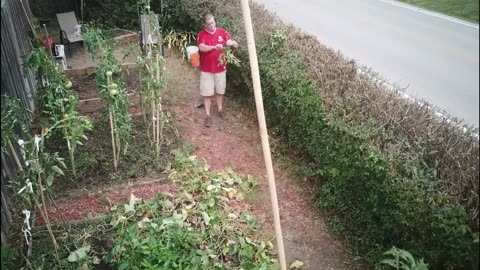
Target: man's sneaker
<point x="208" y="121"/>
<point x="221" y="114"/>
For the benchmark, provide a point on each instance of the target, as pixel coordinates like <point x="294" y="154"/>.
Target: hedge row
<point x="377" y="202"/>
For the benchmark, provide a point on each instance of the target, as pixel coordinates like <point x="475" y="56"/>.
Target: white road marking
<point x="445" y="17"/>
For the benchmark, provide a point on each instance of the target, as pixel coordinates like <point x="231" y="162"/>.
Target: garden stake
<point x="113" y="140"/>
<point x="154" y="135"/>
<point x="15" y="157"/>
<point x="263" y="130"/>
<point x="28" y="20"/>
<point x="158" y="129"/>
<point x="157" y="96"/>
<point x="117" y="137"/>
<point x="45" y="214"/>
<point x="142" y="102"/>
<point x="109" y="82"/>
<point x="48" y="40"/>
<point x="49" y="228"/>
<point x="72" y="159"/>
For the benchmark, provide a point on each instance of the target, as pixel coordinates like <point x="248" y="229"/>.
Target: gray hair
<point x="207" y="16"/>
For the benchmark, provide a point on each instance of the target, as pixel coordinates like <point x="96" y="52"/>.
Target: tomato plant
<point x="111" y="88"/>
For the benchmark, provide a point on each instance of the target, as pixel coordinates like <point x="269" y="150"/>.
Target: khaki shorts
<point x="211" y="83"/>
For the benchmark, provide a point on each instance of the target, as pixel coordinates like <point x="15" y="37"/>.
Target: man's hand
<point x="218" y="47"/>
<point x="232" y="43"/>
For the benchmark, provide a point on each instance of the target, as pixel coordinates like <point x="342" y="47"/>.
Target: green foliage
<point x="56" y="102"/>
<point x="12" y="116"/>
<point x="125" y="14"/>
<point x="198" y="228"/>
<point x="400" y="259"/>
<point x="8" y="255"/>
<point x="277" y="39"/>
<point x="113" y="14"/>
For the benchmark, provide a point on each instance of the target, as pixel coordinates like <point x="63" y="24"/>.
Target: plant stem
<point x="15" y="157"/>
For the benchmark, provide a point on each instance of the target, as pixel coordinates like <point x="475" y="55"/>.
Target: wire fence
<point x="17" y="83"/>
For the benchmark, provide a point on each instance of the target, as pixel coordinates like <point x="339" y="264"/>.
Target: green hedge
<point x="378" y="206"/>
<point x="376" y="203"/>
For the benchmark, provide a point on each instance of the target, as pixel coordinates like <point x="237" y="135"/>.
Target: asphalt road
<point x="435" y="56"/>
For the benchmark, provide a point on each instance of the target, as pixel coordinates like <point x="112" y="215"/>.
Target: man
<point x="211" y="43"/>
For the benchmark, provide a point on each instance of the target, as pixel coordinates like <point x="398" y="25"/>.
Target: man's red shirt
<point x="209" y="60"/>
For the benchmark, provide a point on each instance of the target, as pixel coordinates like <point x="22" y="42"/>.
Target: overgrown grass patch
<point x="464" y="9"/>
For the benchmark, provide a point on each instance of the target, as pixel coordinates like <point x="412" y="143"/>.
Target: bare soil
<point x="233" y="141"/>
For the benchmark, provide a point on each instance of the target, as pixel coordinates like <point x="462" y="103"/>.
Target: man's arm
<point x="206" y="48"/>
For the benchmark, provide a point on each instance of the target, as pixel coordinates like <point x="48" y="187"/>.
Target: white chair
<point x="70" y="30"/>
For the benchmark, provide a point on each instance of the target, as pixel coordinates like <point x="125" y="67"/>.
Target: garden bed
<point x="231" y="142"/>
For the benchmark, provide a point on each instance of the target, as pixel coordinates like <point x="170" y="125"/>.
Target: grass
<point x="463" y="9"/>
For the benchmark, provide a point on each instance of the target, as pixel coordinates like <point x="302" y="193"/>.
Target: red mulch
<point x="92" y="205"/>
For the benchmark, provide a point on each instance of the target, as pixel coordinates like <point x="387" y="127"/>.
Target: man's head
<point x="209" y="22"/>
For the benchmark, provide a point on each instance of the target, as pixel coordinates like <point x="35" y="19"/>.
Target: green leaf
<point x="57" y="169"/>
<point x="211" y="202"/>
<point x="129" y="208"/>
<point x="168" y="204"/>
<point x="168" y="221"/>
<point x="79" y="254"/>
<point x="230" y="181"/>
<point x="296" y="264"/>
<point x="206" y="218"/>
<point x="62" y="163"/>
<point x="50" y="180"/>
<point x="390" y="262"/>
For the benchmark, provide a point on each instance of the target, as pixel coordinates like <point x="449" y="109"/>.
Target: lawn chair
<point x="70" y="30"/>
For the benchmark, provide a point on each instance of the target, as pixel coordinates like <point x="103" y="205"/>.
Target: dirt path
<point x="235" y="141"/>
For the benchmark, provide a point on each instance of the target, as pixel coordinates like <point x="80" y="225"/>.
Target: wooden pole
<point x="109" y="82"/>
<point x="15" y="157"/>
<point x="45" y="212"/>
<point x="28" y="20"/>
<point x="142" y="104"/>
<point x="113" y="140"/>
<point x="263" y="130"/>
<point x="157" y="98"/>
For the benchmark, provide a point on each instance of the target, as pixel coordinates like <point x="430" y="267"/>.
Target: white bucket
<point x="61" y="50"/>
<point x="191" y="50"/>
<point x="60" y="58"/>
